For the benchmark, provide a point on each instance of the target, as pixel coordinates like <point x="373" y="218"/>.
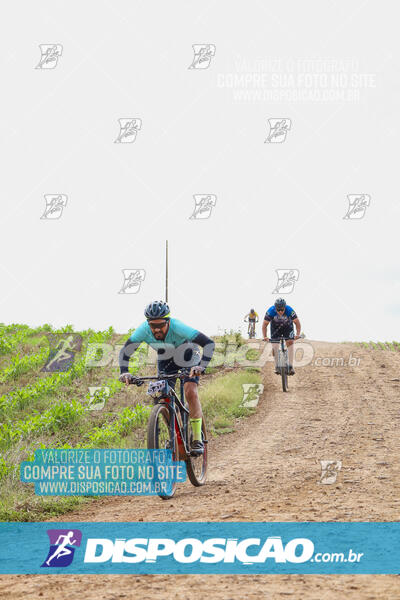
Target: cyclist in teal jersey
<point x="177" y="346"/>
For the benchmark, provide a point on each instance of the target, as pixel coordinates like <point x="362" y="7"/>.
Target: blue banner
<point x="196" y="548"/>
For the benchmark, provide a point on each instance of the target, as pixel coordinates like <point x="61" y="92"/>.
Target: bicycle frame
<point x="283" y="360"/>
<point x="175" y="427"/>
<point x="171" y="399"/>
<point x="169" y="425"/>
<point x="283" y="349"/>
<point x="284" y="353"/>
<point x="282" y="363"/>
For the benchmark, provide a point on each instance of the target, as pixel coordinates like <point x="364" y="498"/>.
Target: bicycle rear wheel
<point x="158" y="436"/>
<point x="196" y="466"/>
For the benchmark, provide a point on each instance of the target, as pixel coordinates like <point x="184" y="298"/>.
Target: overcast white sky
<point x="279" y="205"/>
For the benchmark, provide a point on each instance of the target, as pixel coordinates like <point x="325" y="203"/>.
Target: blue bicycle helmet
<point x="157" y="310"/>
<point x="280" y="303"/>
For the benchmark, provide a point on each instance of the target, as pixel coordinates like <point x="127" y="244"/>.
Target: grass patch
<point x="60" y="418"/>
<point x="18" y="501"/>
<point x="222" y="400"/>
<point x="253" y="354"/>
<point x="223" y="425"/>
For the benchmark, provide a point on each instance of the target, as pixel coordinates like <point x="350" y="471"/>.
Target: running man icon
<point x="62" y="352"/>
<point x="61" y="550"/>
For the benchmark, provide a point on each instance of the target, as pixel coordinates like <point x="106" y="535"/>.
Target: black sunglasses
<point x="157" y="325"/>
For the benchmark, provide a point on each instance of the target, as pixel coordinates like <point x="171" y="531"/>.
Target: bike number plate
<point x="157" y="387"/>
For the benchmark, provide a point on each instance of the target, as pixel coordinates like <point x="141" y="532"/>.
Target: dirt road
<point x="269" y="470"/>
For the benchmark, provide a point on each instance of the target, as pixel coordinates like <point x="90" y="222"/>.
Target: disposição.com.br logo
<point x="230" y="553"/>
<point x="62" y="547"/>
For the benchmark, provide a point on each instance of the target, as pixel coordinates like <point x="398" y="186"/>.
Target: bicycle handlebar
<point x="139" y="380"/>
<point x="301" y="336"/>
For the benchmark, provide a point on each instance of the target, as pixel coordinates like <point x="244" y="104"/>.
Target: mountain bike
<point x="169" y="426"/>
<point x="283" y="359"/>
<point x="251" y="330"/>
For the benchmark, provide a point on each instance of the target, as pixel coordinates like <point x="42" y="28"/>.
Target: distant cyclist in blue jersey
<point x="177" y="346"/>
<point x="282" y="316"/>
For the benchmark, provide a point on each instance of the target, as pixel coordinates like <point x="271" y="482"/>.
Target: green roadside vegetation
<point x="393" y="346"/>
<point x="54" y="410"/>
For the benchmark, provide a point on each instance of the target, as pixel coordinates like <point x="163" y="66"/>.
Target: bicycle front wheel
<point x="283" y="365"/>
<point x="285" y="386"/>
<point x="159" y="437"/>
<point x="196" y="466"/>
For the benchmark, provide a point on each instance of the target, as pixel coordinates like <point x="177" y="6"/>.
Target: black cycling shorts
<point x="190" y="358"/>
<point x="168" y="366"/>
<point x="285" y="329"/>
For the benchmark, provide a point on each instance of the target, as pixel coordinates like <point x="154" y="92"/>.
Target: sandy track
<point x="269" y="470"/>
